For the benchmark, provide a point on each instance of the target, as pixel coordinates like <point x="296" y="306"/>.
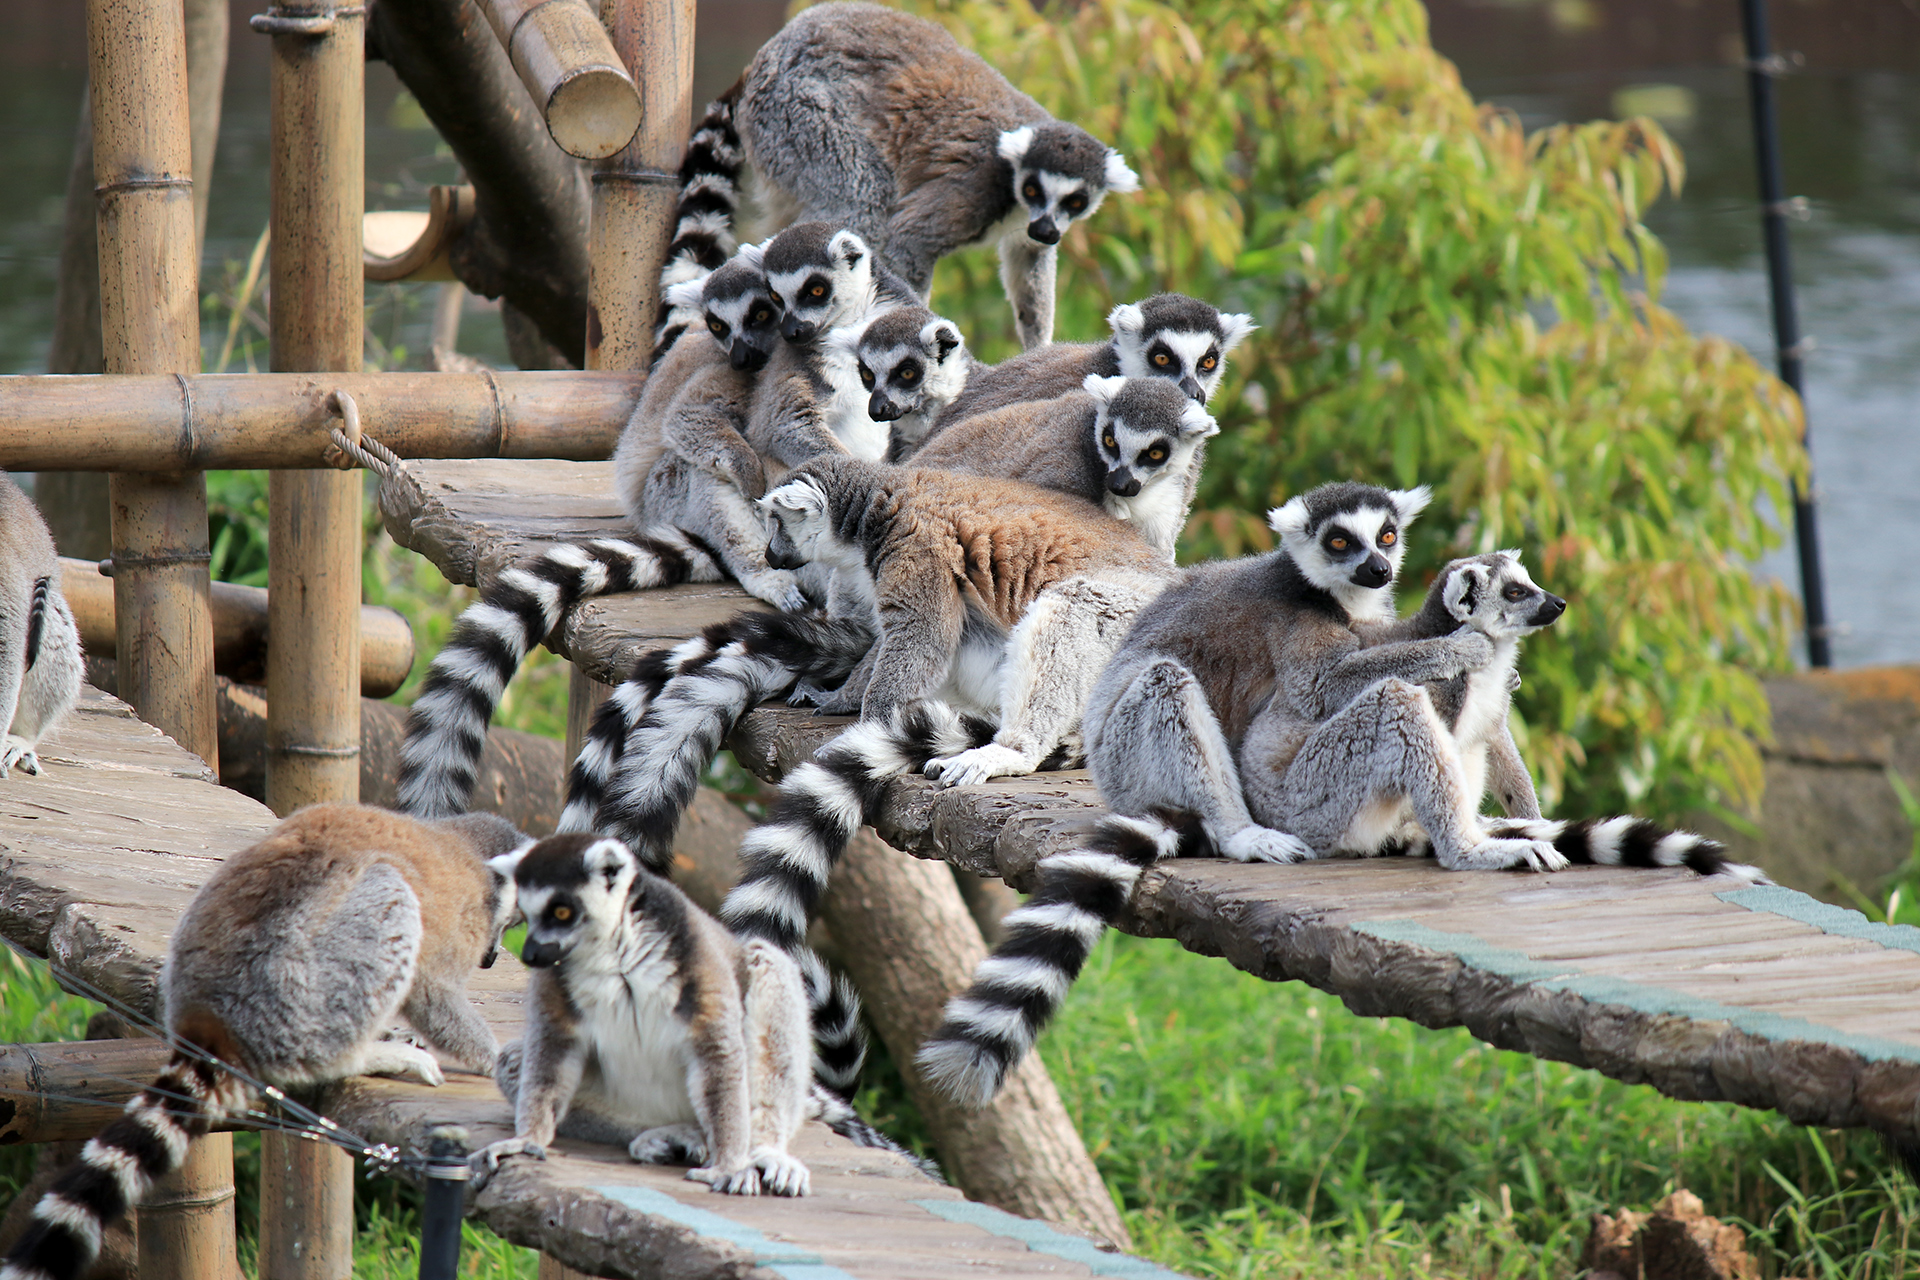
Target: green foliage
<point x="1448" y="301"/>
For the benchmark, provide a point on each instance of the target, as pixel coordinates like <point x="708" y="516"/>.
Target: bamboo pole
<point x="75" y="505"/>
<point x="149" y="309"/>
<point x="563" y="56"/>
<point x="266" y="420"/>
<point x="316" y="155"/>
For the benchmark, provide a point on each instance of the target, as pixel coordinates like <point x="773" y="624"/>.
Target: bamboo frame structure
<point x="562" y="54"/>
<point x="267" y="420"/>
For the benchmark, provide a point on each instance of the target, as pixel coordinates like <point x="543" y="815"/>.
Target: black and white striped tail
<point x="703" y="232"/>
<point x="37" y="609"/>
<point x="838" y="1115"/>
<point x="788" y="859"/>
<point x="720" y="676"/>
<point x="447" y="727"/>
<point x="114" y="1171"/>
<point x="1017" y="990"/>
<point x="1628" y="842"/>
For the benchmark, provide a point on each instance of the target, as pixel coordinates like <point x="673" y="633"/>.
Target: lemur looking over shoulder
<point x="876" y="120"/>
<point x="40" y="663"/>
<point x="1248" y="715"/>
<point x="288" y="966"/>
<point x="651" y="1027"/>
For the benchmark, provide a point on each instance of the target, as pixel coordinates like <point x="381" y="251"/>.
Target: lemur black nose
<point x="794" y="329"/>
<point x="786" y="557"/>
<point x="1373" y="572"/>
<point x="1550" y="608"/>
<point x="881" y="409"/>
<point x="1191" y="385"/>
<point x="740" y="356"/>
<point x="1043" y="230"/>
<point x="540" y="955"/>
<point x="1124" y="483"/>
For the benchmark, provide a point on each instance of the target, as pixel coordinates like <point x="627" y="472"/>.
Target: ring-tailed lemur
<point x="703" y="232"/>
<point x="650" y="1026"/>
<point x="1117" y="442"/>
<point x="877" y="120"/>
<point x="1246" y="715"/>
<point x="1166" y="336"/>
<point x="39" y="644"/>
<point x="911" y="364"/>
<point x="287" y="966"/>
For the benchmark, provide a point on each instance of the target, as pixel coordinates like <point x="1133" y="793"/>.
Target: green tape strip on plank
<point x="788" y="1260"/>
<point x="1639" y="996"/>
<point x="1041" y="1238"/>
<point x="1824" y="916"/>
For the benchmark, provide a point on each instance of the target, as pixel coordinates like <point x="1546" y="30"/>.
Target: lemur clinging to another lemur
<point x="878" y="121"/>
<point x="288" y="966"/>
<point x="1270" y="709"/>
<point x="40" y="665"/>
<point x="651" y="1027"/>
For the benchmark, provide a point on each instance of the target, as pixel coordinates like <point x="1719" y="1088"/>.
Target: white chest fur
<point x="1482" y="711"/>
<point x="1158" y="511"/>
<point x="637" y="1048"/>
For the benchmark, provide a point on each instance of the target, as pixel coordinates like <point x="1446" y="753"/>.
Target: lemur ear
<point x="1411" y="502"/>
<point x="1196" y="422"/>
<point x="845" y="339"/>
<point x="1014" y="144"/>
<point x="1118" y="176"/>
<point x="506" y="863"/>
<point x="1465" y="584"/>
<point x="752" y="254"/>
<point x="1127" y="318"/>
<point x="1103" y="390"/>
<point x="1234" y="328"/>
<point x="942" y="337"/>
<point x="607" y="858"/>
<point x="797" y="495"/>
<point x="687" y="294"/>
<point x="848" y="246"/>
<point x="1289" y="521"/>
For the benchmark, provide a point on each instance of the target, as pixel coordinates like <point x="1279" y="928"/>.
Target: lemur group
<point x="978" y="562"/>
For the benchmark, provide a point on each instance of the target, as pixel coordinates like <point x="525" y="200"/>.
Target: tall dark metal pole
<point x="1762" y="67"/>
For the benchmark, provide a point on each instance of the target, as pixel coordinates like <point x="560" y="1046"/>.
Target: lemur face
<point x="799" y="526"/>
<point x="909" y="360"/>
<point x="1061" y="173"/>
<point x="1346" y="538"/>
<point x="740" y="312"/>
<point x="1145" y="430"/>
<point x="1173" y="336"/>
<point x="571" y="888"/>
<point x="821" y="276"/>
<point x="1496" y="596"/>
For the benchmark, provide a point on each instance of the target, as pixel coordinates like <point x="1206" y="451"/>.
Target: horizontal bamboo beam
<point x="240" y="632"/>
<point x="562" y="54"/>
<point x="51" y="1092"/>
<point x="282" y="420"/>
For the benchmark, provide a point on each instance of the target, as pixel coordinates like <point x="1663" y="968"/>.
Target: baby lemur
<point x="1269" y="709"/>
<point x="652" y="1027"/>
<point x="288" y="965"/>
<point x="877" y="121"/>
<point x="39" y="643"/>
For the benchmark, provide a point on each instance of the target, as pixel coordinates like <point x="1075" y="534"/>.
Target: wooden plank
<point x="475" y="518"/>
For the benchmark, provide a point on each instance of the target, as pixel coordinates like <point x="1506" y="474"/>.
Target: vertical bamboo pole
<point x="317" y="164"/>
<point x="150" y="323"/>
<point x="632" y="220"/>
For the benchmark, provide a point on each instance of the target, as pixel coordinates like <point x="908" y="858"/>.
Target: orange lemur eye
<point x="1208" y="363"/>
<point x="1108" y="441"/>
<point x="818" y="291"/>
<point x="1156" y="454"/>
<point x="776" y="300"/>
<point x="563" y="914"/>
<point x="1338" y="544"/>
<point x="1388" y="538"/>
<point x="1161" y="358"/>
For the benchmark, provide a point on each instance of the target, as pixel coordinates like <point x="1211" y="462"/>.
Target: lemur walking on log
<point x="288" y="965"/>
<point x="1248" y="715"/>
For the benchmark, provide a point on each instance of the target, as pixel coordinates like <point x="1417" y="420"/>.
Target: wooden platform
<point x="99" y="855"/>
<point x="1701" y="988"/>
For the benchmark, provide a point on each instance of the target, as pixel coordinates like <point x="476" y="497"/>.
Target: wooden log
<point x="240" y="630"/>
<point x="206" y="23"/>
<point x="42" y="1086"/>
<point x="150" y="323"/>
<point x="527" y="243"/>
<point x="261" y="421"/>
<point x="75" y="505"/>
<point x="409" y="244"/>
<point x="907" y="939"/>
<point x="634" y="192"/>
<point x="563" y="57"/>
<point x="186" y="1220"/>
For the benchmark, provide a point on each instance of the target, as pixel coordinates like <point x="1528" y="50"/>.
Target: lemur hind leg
<point x="780" y="1065"/>
<point x="1345" y="788"/>
<point x="1159" y="747"/>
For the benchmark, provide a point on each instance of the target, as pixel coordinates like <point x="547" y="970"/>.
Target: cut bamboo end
<point x="415" y="244"/>
<point x="563" y="56"/>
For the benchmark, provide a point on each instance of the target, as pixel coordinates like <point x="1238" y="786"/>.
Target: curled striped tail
<point x="744" y="661"/>
<point x="37" y="609"/>
<point x="703" y="232"/>
<point x="788" y="858"/>
<point x="116" y="1169"/>
<point x="447" y="727"/>
<point x="1628" y="842"/>
<point x="1018" y="989"/>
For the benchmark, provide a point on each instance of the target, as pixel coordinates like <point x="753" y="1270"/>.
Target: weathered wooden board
<point x="99" y="855"/>
<point x="1700" y="988"/>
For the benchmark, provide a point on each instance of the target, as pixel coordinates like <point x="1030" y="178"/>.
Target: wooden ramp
<point x="1702" y="988"/>
<point x="101" y="853"/>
